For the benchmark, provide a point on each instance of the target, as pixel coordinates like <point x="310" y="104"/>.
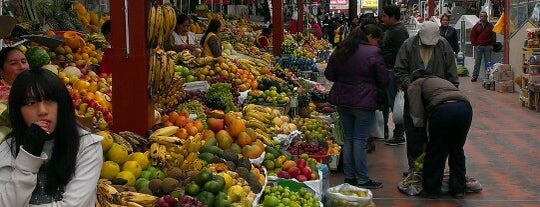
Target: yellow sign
<point x="369" y="3"/>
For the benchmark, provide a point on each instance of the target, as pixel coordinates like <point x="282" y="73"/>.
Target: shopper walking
<point x="428" y="51"/>
<point x="439" y="105"/>
<point x="394" y="36"/>
<point x="482" y="38"/>
<point x="357" y="69"/>
<point x="47" y="159"/>
<point x="449" y="33"/>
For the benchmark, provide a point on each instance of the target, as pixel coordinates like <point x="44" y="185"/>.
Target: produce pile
<point x="209" y="146"/>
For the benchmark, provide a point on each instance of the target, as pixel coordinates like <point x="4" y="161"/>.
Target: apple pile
<point x="298" y="170"/>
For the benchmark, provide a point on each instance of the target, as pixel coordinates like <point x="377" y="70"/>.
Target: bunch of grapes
<point x="214" y="103"/>
<point x="166" y="201"/>
<point x="188" y="201"/>
<point x="223" y="92"/>
<point x="307" y="148"/>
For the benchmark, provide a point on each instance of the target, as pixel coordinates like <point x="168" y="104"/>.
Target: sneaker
<point x="474" y="79"/>
<point x="395" y="142"/>
<point x="351" y="181"/>
<point x="370" y="185"/>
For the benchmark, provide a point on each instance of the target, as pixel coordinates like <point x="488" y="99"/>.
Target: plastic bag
<point x="399" y="103"/>
<point x="377" y="128"/>
<point x="411" y="184"/>
<point x="336" y="196"/>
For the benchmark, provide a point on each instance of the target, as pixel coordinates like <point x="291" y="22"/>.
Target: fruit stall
<point x="243" y="129"/>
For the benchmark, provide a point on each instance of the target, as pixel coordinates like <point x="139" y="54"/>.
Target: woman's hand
<point x="34" y="137"/>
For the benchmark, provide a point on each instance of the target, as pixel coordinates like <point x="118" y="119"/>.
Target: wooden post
<point x="506" y="43"/>
<point x="300" y="24"/>
<point x="277" y="26"/>
<point x="132" y="109"/>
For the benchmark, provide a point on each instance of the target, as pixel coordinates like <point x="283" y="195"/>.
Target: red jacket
<point x="482" y="35"/>
<point x="106" y="62"/>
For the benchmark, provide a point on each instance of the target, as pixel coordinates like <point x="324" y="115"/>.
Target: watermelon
<point x="37" y="57"/>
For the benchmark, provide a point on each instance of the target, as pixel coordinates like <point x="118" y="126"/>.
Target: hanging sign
<point x="369" y="4"/>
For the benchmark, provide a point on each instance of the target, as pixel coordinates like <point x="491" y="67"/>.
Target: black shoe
<point x="474" y="79"/>
<point x="395" y="142"/>
<point x="351" y="181"/>
<point x="458" y="195"/>
<point x="370" y="185"/>
<point x="370" y="146"/>
<point x="425" y="194"/>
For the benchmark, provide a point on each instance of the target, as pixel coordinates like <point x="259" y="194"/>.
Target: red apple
<point x="284" y="174"/>
<point x="294" y="171"/>
<point x="301" y="178"/>
<point x="301" y="163"/>
<point x="306" y="171"/>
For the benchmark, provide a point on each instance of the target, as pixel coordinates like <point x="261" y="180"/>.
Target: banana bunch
<point x="157" y="154"/>
<point x="187" y="154"/>
<point x="260" y="119"/>
<point x="106" y="193"/>
<point x="248" y="65"/>
<point x="130" y="198"/>
<point x="161" y="70"/>
<point x="96" y="39"/>
<point x="241" y="48"/>
<point x="185" y="58"/>
<point x="161" y="23"/>
<point x="136" y="141"/>
<point x="118" y="139"/>
<point x="165" y="136"/>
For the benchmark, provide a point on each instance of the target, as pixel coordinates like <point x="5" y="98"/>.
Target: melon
<point x="37" y="57"/>
<point x="51" y="67"/>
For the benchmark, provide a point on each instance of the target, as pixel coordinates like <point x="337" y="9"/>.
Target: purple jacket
<point x="357" y="80"/>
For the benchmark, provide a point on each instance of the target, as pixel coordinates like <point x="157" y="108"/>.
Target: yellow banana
<point x="120" y="140"/>
<point x="166" y="131"/>
<point x="165" y="140"/>
<point x="159" y="25"/>
<point x="165" y="13"/>
<point x="151" y="22"/>
<point x="139" y="198"/>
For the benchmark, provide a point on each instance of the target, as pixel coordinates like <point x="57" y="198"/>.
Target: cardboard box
<point x="503" y="73"/>
<point x="505" y="86"/>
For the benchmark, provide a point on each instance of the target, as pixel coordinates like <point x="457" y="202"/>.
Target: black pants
<point x="448" y="126"/>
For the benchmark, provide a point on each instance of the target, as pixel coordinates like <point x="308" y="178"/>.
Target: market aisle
<point x="501" y="153"/>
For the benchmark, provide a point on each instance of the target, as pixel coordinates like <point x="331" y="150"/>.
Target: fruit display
<point x="89" y="19"/>
<point x="284" y="196"/>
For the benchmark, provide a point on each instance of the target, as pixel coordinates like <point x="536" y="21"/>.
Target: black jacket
<point x="450" y="34"/>
<point x="394" y="36"/>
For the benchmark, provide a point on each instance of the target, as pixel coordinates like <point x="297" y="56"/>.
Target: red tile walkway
<point x="501" y="152"/>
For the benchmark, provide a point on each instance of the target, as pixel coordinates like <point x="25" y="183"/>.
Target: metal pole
<point x="462" y="38"/>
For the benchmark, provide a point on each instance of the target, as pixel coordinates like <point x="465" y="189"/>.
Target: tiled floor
<point x="501" y="152"/>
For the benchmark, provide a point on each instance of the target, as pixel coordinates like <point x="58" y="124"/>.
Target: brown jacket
<point x="426" y="93"/>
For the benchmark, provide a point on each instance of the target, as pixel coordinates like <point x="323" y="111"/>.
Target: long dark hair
<point x="4" y="54"/>
<point x="359" y="35"/>
<point x="213" y="26"/>
<point x="42" y="84"/>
